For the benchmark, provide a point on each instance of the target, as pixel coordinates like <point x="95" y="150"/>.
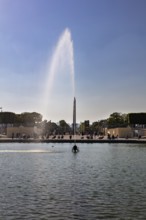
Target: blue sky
<point x="109" y="38"/>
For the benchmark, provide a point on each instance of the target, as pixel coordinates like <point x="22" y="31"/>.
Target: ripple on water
<point x="100" y="183"/>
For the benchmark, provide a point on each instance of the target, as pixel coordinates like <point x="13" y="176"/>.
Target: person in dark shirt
<point x="75" y="149"/>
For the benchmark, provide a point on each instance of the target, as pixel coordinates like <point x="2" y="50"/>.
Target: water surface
<point x="102" y="181"/>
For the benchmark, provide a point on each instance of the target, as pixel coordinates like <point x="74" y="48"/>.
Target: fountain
<point x="74" y="116"/>
<point x="63" y="55"/>
<point x="62" y="61"/>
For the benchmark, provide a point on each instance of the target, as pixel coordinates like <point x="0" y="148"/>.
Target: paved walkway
<point x="76" y="138"/>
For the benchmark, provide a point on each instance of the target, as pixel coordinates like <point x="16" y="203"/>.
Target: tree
<point x="117" y="120"/>
<point x="49" y="127"/>
<point x="37" y="117"/>
<point x="64" y="127"/>
<point x="28" y="118"/>
<point x="98" y="127"/>
<point x="95" y="127"/>
<point x="7" y="117"/>
<point x="82" y="127"/>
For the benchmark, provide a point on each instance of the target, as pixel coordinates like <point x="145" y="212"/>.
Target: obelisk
<point x="74" y="116"/>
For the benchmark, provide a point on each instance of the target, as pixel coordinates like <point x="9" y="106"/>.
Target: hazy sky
<point x="109" y="38"/>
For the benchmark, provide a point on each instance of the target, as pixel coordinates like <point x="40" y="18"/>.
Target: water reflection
<point x="30" y="151"/>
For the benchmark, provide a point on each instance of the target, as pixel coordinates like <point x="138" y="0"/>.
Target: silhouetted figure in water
<point x="75" y="149"/>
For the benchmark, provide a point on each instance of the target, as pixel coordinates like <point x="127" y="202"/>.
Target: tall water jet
<point x="74" y="116"/>
<point x="62" y="61"/>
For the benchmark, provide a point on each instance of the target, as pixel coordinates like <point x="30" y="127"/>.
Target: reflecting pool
<point x="48" y="181"/>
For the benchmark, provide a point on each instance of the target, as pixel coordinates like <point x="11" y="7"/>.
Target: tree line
<point x="26" y="118"/>
<point x="116" y="119"/>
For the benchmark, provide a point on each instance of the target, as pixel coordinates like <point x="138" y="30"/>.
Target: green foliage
<point x="82" y="127"/>
<point x="25" y="118"/>
<point x="117" y="120"/>
<point x="137" y="118"/>
<point x="50" y="127"/>
<point x="29" y="118"/>
<point x="98" y="127"/>
<point x="64" y="127"/>
<point x="95" y="126"/>
<point x="7" y="117"/>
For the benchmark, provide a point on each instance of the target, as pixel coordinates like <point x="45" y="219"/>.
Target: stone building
<point x="21" y="131"/>
<point x="127" y="132"/>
